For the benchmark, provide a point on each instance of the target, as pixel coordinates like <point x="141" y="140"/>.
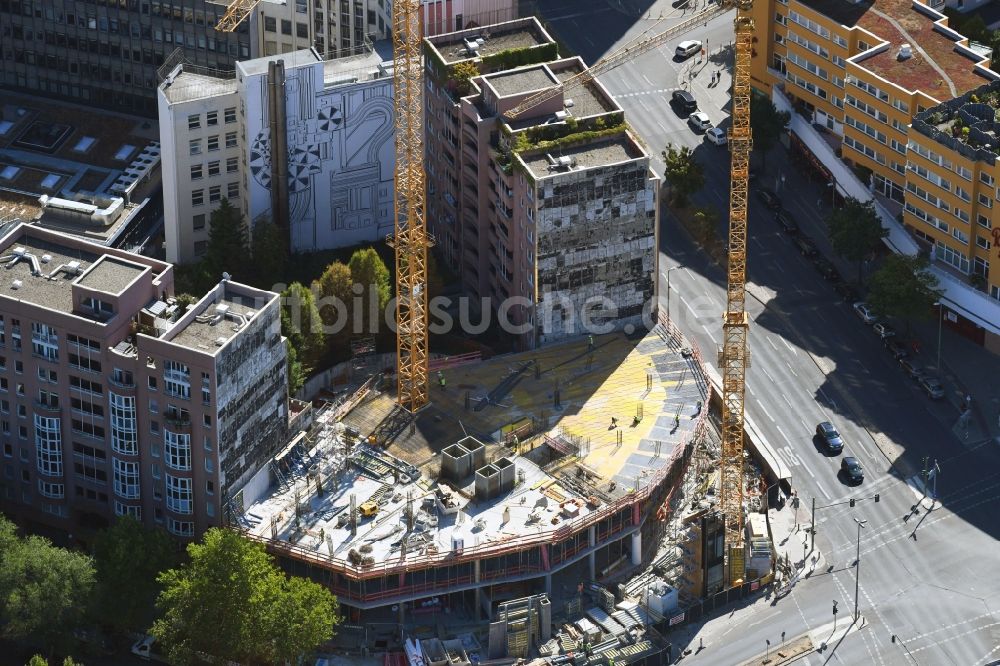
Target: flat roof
<point x="935" y="62"/>
<point x="573" y="456"/>
<point x="111" y="275"/>
<point x="598" y="153"/>
<point x="516" y="81"/>
<point x="188" y="86"/>
<point x="587" y="99"/>
<point x="292" y="59"/>
<point x="517" y="34"/>
<point x="206" y="332"/>
<point x="53" y="294"/>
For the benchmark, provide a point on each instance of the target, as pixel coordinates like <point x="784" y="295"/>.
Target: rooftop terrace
<point x="571" y="462"/>
<point x="936" y="68"/>
<point x="597" y="153"/>
<point x="517" y="34"/>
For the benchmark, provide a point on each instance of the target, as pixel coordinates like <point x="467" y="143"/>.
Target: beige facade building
<point x="335" y="28"/>
<point x="114" y="401"/>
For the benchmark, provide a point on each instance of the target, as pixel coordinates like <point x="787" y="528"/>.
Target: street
<point x="927" y="576"/>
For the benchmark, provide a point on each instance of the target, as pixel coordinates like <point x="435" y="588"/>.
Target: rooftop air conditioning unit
<point x="20" y="251"/>
<point x="221" y="309"/>
<point x="565" y="162"/>
<point x="16" y="284"/>
<point x="219" y="341"/>
<point x="905" y="52"/>
<point x="73" y="267"/>
<point x="46" y="258"/>
<point x="561" y="115"/>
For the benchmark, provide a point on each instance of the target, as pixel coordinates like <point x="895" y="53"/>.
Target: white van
<point x="687" y="48"/>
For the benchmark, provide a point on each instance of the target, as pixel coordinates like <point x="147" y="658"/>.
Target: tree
<point x="269" y="248"/>
<point x="39" y="660"/>
<point x="334" y="290"/>
<point x="767" y="125"/>
<point x="705" y="223"/>
<point x="44" y="590"/>
<point x="461" y="77"/>
<point x="301" y="323"/>
<point x="231" y="602"/>
<point x="683" y="172"/>
<point x="227" y="243"/>
<point x="369" y="271"/>
<point x="296" y="376"/>
<point x="126" y="584"/>
<point x="904" y="288"/>
<point x="856" y="231"/>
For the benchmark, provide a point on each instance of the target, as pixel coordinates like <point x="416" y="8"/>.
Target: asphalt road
<point x="926" y="577"/>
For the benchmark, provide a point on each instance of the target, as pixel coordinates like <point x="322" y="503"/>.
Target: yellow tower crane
<point x="734" y="357"/>
<point x="234" y="15"/>
<point x="410" y="239"/>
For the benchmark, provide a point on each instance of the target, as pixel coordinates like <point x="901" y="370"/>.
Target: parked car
<point x="847" y="292"/>
<point x="787" y="222"/>
<point x="699" y="121"/>
<point x="850" y="467"/>
<point x="806" y="247"/>
<point x="884" y="330"/>
<point x="865" y="312"/>
<point x="768" y="198"/>
<point x="830" y="437"/>
<point x="912" y="369"/>
<point x="147" y="648"/>
<point x="683" y="101"/>
<point x="932" y="387"/>
<point x="825" y="268"/>
<point x="896" y="348"/>
<point x="717" y="135"/>
<point x="687" y="48"/>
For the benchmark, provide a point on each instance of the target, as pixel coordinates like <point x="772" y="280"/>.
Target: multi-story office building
<point x="335" y="186"/>
<point x="862" y="71"/>
<point x="443" y="16"/>
<point x="114" y="400"/>
<point x="556" y="208"/>
<point x="108" y="54"/>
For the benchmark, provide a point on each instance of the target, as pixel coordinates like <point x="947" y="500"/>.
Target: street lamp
<point x="857" y="572"/>
<point x="767" y="654"/>
<point x="667" y="274"/>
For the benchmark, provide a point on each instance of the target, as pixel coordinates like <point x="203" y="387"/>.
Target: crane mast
<point x="410" y="239"/>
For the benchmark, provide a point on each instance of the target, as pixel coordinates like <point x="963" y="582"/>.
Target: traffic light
<point x="876" y="498"/>
<point x="852" y="501"/>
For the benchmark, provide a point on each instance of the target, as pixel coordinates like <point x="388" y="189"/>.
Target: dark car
<point x="848" y="292"/>
<point x="896" y="348"/>
<point x="787" y="222"/>
<point x="932" y="387"/>
<point x="912" y="369"/>
<point x="806" y="247"/>
<point x="829" y="436"/>
<point x="826" y="269"/>
<point x="768" y="198"/>
<point x="683" y="101"/>
<point x="851" y="469"/>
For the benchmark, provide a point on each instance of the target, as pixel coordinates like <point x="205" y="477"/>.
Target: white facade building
<point x="334" y="122"/>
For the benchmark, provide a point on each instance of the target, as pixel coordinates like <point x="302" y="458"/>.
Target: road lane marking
<point x="790" y="348"/>
<point x="791" y="369"/>
<point x="768" y="374"/>
<point x="771" y="342"/>
<point x="820" y="486"/>
<point x="709" y="332"/>
<point x="787" y="401"/>
<point x="782" y="433"/>
<point x="764" y="409"/>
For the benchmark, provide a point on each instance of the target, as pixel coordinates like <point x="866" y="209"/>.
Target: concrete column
<point x="592" y="555"/>
<point x="636" y="548"/>
<point x="548" y="585"/>
<point x="479" y="590"/>
<point x="402" y="613"/>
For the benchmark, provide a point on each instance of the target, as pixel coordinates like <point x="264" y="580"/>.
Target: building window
<point x="180" y="494"/>
<point x="233" y="190"/>
<point x="213" y="168"/>
<point x="197" y="197"/>
<point x="212" y="118"/>
<point x="982" y="242"/>
<point x="230" y="139"/>
<point x="53" y="490"/>
<point x="213" y="143"/>
<point x="286" y="27"/>
<point x="44" y="342"/>
<point x="126" y="510"/>
<point x="302" y="31"/>
<point x="48" y="446"/>
<point x="194" y="147"/>
<point x="270" y="25"/>
<point x="198" y="221"/>
<point x="177" y="379"/>
<point x="196" y="172"/>
<point x="177" y="450"/>
<point x="232" y="164"/>
<point x="214" y="193"/>
<point x="181" y="528"/>
<point x="126" y="478"/>
<point x="194" y="121"/>
<point x="123" y="425"/>
<point x="229" y="115"/>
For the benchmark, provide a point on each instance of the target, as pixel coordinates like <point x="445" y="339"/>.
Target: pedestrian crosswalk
<point x="639" y="93"/>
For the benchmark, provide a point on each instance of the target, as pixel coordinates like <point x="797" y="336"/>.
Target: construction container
<point x="368" y="509"/>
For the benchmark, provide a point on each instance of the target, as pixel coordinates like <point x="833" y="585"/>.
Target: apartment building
<point x="114" y="400"/>
<point x="545" y="215"/>
<point x="334" y="188"/>
<point x="444" y="16"/>
<point x="107" y="54"/>
<point x="862" y="71"/>
<point x="335" y="28"/>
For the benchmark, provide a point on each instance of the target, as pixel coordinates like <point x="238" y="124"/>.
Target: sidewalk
<point x="791" y="544"/>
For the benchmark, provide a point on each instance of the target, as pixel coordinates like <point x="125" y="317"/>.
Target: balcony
<point x="122" y="380"/>
<point x="177" y="419"/>
<point x="51" y="406"/>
